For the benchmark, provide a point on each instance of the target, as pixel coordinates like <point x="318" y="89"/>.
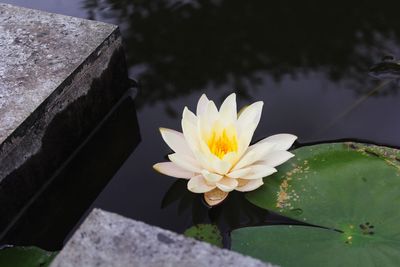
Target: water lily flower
<point x="214" y="153"/>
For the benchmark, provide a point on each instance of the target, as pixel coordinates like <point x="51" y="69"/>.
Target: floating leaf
<point x="25" y="257"/>
<point x="353" y="188"/>
<point x="205" y="232"/>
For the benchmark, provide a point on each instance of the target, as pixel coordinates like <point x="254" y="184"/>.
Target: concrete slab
<point x="59" y="76"/>
<point x="39" y="51"/>
<point x="107" y="239"/>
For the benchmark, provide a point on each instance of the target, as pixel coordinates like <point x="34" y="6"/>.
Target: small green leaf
<point x="25" y="257"/>
<point x="205" y="232"/>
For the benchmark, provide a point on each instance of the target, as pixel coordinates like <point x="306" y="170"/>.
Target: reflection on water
<point x="309" y="61"/>
<point x="388" y="69"/>
<point x="175" y="47"/>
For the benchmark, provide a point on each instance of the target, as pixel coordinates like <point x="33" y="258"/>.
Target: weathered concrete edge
<point x="39" y="51"/>
<point x="25" y="141"/>
<point x="5" y="5"/>
<point x="108" y="239"/>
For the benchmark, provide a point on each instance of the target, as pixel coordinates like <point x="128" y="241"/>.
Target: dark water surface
<point x="307" y="61"/>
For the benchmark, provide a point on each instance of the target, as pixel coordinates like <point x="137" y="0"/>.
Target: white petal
<point x="185" y="162"/>
<point x="176" y="141"/>
<point x="231" y="157"/>
<point x="211" y="177"/>
<point x="190" y="134"/>
<point x="212" y="163"/>
<point x="171" y="169"/>
<point x="189" y="116"/>
<point x="202" y="105"/>
<point x="228" y="111"/>
<point x="244" y="138"/>
<point x="276" y="158"/>
<point x="239" y="173"/>
<point x="205" y="156"/>
<point x="227" y="184"/>
<point x="206" y="120"/>
<point x="254" y="153"/>
<point x="197" y="184"/>
<point x="251" y="115"/>
<point x="250" y="185"/>
<point x="259" y="171"/>
<point x="211" y="112"/>
<point x="220" y="166"/>
<point x="247" y="124"/>
<point x="281" y="141"/>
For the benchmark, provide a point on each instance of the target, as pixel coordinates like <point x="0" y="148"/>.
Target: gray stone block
<point x="59" y="76"/>
<point x="107" y="239"/>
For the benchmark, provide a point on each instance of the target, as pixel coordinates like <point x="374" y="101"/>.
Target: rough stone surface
<point x="107" y="239"/>
<point x="38" y="52"/>
<point x="59" y="76"/>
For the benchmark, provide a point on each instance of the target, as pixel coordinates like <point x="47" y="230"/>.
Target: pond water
<point x="308" y="62"/>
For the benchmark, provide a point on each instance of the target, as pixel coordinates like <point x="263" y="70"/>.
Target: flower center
<point x="223" y="142"/>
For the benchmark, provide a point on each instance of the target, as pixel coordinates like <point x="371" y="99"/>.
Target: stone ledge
<point x="39" y="51"/>
<point x="59" y="76"/>
<point x="107" y="239"/>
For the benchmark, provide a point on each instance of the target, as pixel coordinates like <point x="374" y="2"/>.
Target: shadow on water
<point x="235" y="212"/>
<point x="51" y="214"/>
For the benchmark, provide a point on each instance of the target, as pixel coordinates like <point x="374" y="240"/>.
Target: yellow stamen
<point x="223" y="142"/>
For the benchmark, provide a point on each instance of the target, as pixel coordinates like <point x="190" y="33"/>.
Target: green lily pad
<point x="25" y="257"/>
<point x="312" y="246"/>
<point x="353" y="188"/>
<point x="205" y="232"/>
